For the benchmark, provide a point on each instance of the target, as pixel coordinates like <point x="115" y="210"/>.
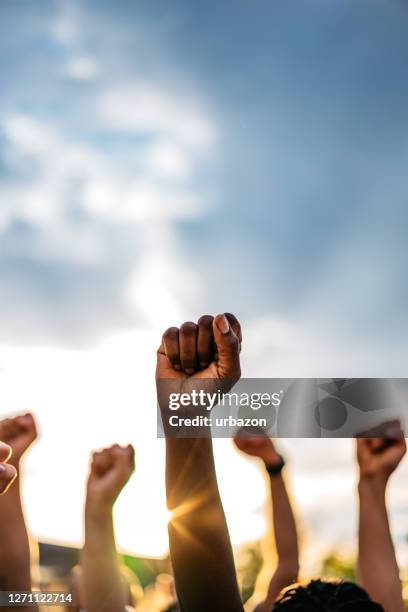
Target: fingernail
<point x="177" y="367"/>
<point x="223" y="325"/>
<point x="2" y="468"/>
<point x="189" y="370"/>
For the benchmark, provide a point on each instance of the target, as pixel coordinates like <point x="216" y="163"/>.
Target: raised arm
<point x="377" y="564"/>
<point x="284" y="525"/>
<point x="102" y="583"/>
<point x="200" y="548"/>
<point x="15" y="567"/>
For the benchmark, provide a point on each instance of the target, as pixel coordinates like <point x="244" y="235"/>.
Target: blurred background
<point x="163" y="160"/>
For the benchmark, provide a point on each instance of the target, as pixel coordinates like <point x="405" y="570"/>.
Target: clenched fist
<point x="111" y="468"/>
<point x="8" y="473"/>
<point x="260" y="446"/>
<point x="204" y="351"/>
<point x="19" y="433"/>
<point x="379" y="457"/>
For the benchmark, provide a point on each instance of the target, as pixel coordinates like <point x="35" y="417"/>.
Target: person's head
<point x="322" y="596"/>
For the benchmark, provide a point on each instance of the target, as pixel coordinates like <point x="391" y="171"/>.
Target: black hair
<point x="325" y="596"/>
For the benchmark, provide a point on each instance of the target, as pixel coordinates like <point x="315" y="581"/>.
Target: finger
<point x="122" y="460"/>
<point x="205" y="341"/>
<point x="394" y="453"/>
<point x="104" y="461"/>
<point x="188" y="347"/>
<point x="131" y="456"/>
<point x="235" y="324"/>
<point x="228" y="347"/>
<point x="171" y="347"/>
<point x="364" y="451"/>
<point x="8" y="474"/>
<point x="7" y="429"/>
<point x="240" y="442"/>
<point x="378" y="444"/>
<point x="5" y="452"/>
<point x="97" y="464"/>
<point x="26" y="422"/>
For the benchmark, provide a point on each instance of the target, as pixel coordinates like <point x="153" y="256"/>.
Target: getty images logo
<point x="342" y="406"/>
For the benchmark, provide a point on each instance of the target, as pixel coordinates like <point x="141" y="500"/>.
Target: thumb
<point x="8" y="474"/>
<point x="228" y="348"/>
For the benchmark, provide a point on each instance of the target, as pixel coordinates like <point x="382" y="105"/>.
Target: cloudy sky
<point x="161" y="160"/>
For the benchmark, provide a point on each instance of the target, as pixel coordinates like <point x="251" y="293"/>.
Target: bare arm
<point x="377" y="565"/>
<point x="286" y="540"/>
<point x="102" y="582"/>
<point x="14" y="543"/>
<point x="284" y="523"/>
<point x="200" y="548"/>
<point x="15" y="561"/>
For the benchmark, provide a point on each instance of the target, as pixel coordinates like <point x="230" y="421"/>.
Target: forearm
<point x="101" y="573"/>
<point x="199" y="542"/>
<point x="377" y="564"/>
<point x="284" y="525"/>
<point x="286" y="542"/>
<point x="15" y="569"/>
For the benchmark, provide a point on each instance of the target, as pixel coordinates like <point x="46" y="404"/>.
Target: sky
<point x="163" y="160"/>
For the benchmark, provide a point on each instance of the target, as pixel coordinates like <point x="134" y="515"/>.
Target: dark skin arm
<point x="377" y="564"/>
<point x="200" y="548"/>
<point x="284" y="524"/>
<point x="15" y="562"/>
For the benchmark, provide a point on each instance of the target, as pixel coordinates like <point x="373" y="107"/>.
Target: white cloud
<point x="138" y="201"/>
<point x="81" y="68"/>
<point x="146" y="108"/>
<point x="84" y="207"/>
<point x="64" y="28"/>
<point x="29" y="136"/>
<point x="297" y="348"/>
<point x="167" y="159"/>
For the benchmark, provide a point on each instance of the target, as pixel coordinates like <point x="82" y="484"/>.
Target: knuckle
<point x="205" y="321"/>
<point x="188" y="328"/>
<point x="231" y="317"/>
<point x="233" y="342"/>
<point x="171" y="332"/>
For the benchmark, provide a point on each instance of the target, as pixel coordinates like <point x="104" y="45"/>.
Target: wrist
<point x="374" y="484"/>
<point x="97" y="511"/>
<point x="275" y="467"/>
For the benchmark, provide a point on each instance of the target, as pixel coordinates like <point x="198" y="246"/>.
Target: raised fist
<point x="379" y="457"/>
<point x="19" y="433"/>
<point x="204" y="351"/>
<point x="207" y="349"/>
<point x="260" y="446"/>
<point x="111" y="468"/>
<point x="8" y="473"/>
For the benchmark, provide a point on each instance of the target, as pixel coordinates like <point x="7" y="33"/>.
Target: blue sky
<point x="296" y="159"/>
<point x="161" y="160"/>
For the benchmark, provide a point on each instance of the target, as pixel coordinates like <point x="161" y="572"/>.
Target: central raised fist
<point x="207" y="349"/>
<point x="203" y="354"/>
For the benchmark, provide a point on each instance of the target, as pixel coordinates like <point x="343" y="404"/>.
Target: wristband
<point x="275" y="470"/>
